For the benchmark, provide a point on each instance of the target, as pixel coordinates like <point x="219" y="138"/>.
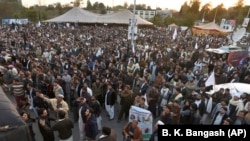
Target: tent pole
<point x="133" y="28"/>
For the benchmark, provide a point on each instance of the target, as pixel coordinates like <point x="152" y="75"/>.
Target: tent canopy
<point x="78" y="15"/>
<point x="173" y="25"/>
<point x="210" y="28"/>
<point x="12" y="127"/>
<point x="75" y="15"/>
<point x="121" y="17"/>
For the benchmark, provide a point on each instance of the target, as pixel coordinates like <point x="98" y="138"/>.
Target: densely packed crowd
<point x="87" y="68"/>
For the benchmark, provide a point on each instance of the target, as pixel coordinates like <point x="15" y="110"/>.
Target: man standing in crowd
<point x="64" y="127"/>
<point x="110" y="99"/>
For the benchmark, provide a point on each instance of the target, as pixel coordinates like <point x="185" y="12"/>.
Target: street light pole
<point x="133" y="29"/>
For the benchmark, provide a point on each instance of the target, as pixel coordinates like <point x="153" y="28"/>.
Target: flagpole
<point x="215" y="14"/>
<point x="248" y="13"/>
<point x="133" y="28"/>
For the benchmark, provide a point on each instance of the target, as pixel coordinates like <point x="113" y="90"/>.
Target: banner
<point x="234" y="87"/>
<point x="245" y="22"/>
<point x="15" y="21"/>
<point x="145" y="120"/>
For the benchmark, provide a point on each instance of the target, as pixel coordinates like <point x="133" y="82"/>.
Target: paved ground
<point x="113" y="124"/>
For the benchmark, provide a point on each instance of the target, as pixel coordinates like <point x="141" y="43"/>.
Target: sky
<point x="169" y="4"/>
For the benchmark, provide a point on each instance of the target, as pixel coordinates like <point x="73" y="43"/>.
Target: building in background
<point x="149" y="14"/>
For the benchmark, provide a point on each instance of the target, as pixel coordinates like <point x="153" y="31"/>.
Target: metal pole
<point x="133" y="27"/>
<point x="39" y="4"/>
<point x="203" y="17"/>
<point x="248" y="12"/>
<point x="215" y="14"/>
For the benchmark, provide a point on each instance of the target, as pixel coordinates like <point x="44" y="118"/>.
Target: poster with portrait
<point x="144" y="118"/>
<point x="245" y="22"/>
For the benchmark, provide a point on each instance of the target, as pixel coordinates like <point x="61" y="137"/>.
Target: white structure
<point x="228" y="24"/>
<point x="148" y="14"/>
<point x="145" y="14"/>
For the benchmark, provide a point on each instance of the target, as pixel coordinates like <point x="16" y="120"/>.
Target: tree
<point x="148" y="7"/>
<point x="194" y="6"/>
<point x="89" y="5"/>
<point x="77" y="3"/>
<point x="158" y="8"/>
<point x="184" y="9"/>
<point x="205" y="10"/>
<point x="125" y="5"/>
<point x="239" y="3"/>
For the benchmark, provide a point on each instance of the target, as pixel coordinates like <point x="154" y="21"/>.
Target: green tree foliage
<point x="32" y="14"/>
<point x="125" y="5"/>
<point x="99" y="8"/>
<point x="77" y="3"/>
<point x="89" y="5"/>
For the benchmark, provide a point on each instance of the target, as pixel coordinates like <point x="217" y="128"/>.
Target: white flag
<point x="175" y="34"/>
<point x="210" y="80"/>
<point x="196" y="46"/>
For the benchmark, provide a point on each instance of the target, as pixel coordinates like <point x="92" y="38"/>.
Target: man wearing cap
<point x="235" y="105"/>
<point x="57" y="103"/>
<point x="154" y="136"/>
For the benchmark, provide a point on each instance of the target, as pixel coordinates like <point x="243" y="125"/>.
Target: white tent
<point x="75" y="15"/>
<point x="121" y="17"/>
<point x="78" y="15"/>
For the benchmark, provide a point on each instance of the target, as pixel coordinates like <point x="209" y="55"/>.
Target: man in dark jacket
<point x="110" y="99"/>
<point x="64" y="127"/>
<point x="90" y="127"/>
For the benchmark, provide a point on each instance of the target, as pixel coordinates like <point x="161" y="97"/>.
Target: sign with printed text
<point x="145" y="120"/>
<point x="245" y="22"/>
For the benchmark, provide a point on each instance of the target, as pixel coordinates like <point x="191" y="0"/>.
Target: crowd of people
<point x="85" y="69"/>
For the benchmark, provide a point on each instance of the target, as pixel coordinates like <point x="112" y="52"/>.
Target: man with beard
<point x="235" y="106"/>
<point x="43" y="115"/>
<point x="152" y="98"/>
<point x="200" y="104"/>
<point x="126" y="101"/>
<point x="97" y="88"/>
<point x="64" y="127"/>
<point x="90" y="127"/>
<point x="110" y="99"/>
<point x="190" y="85"/>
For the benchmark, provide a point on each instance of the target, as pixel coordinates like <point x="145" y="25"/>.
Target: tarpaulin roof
<point x="210" y="28"/>
<point x="75" y="15"/>
<point x="78" y="15"/>
<point x="12" y="127"/>
<point x="121" y="17"/>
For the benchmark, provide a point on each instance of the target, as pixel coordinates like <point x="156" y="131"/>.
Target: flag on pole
<point x="175" y="34"/>
<point x="133" y="48"/>
<point x="196" y="46"/>
<point x="210" y="80"/>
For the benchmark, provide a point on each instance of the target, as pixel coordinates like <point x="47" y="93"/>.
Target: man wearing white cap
<point x="235" y="105"/>
<point x="57" y="103"/>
